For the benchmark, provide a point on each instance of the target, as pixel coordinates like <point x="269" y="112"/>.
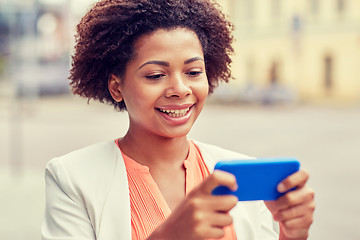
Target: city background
<point x="296" y="93"/>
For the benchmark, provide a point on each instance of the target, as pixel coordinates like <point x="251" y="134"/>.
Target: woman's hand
<point x="201" y="215"/>
<point x="294" y="210"/>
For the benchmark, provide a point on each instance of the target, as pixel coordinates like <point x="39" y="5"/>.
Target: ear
<point x="114" y="88"/>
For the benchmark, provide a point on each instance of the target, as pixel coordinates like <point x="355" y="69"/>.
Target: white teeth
<point x="176" y="113"/>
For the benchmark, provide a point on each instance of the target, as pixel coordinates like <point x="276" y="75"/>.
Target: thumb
<point x="218" y="178"/>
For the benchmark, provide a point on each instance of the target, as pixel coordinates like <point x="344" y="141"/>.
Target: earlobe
<point x="114" y="88"/>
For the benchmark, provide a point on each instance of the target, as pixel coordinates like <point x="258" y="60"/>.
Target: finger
<point x="220" y="219"/>
<point x="295" y="212"/>
<point x="210" y="233"/>
<point x="297" y="233"/>
<point x="296" y="197"/>
<point x="223" y="203"/>
<point x="298" y="179"/>
<point x="214" y="226"/>
<point x="299" y="223"/>
<point x="218" y="178"/>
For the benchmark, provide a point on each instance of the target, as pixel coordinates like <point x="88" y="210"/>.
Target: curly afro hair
<point x="107" y="33"/>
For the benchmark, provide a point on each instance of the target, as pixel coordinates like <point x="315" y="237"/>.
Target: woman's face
<point x="165" y="84"/>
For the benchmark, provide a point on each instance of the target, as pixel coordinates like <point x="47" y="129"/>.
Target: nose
<point x="178" y="87"/>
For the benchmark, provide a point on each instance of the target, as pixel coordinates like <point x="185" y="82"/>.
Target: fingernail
<point x="281" y="187"/>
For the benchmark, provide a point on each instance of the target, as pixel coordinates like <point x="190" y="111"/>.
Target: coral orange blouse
<point x="148" y="206"/>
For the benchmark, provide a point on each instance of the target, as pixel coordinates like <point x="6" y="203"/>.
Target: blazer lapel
<point x="116" y="217"/>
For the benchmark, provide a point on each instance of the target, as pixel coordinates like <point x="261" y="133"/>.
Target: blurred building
<point x="304" y="48"/>
<point x="36" y="39"/>
<point x="284" y="50"/>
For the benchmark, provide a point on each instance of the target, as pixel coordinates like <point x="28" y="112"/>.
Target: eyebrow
<point x="166" y="64"/>
<point x="162" y="63"/>
<point x="193" y="60"/>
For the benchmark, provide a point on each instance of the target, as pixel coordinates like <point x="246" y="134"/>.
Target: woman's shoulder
<point x="93" y="154"/>
<point x="96" y="161"/>
<point x="91" y="178"/>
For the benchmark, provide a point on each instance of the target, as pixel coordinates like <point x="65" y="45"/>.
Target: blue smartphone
<point x="257" y="179"/>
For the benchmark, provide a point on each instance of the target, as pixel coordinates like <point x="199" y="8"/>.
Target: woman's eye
<point x="155" y="76"/>
<point x="194" y="73"/>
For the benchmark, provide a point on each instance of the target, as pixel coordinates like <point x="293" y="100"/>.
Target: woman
<point x="158" y="60"/>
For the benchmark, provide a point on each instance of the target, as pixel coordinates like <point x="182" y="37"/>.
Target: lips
<point x="175" y="112"/>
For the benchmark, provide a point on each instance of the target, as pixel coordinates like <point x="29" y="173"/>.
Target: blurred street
<point x="287" y="53"/>
<point x="325" y="139"/>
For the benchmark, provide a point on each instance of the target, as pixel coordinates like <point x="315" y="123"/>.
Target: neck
<point x="152" y="150"/>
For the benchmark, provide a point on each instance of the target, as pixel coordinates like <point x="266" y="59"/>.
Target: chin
<point x="179" y="134"/>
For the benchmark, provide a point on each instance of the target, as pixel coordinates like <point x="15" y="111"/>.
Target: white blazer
<point x="87" y="197"/>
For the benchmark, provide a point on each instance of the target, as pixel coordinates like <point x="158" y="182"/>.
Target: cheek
<point x="203" y="90"/>
<point x="141" y="100"/>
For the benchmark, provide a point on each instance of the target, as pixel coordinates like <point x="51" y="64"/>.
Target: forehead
<point x="163" y="41"/>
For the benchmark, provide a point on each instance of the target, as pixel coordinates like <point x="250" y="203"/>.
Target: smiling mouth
<point x="175" y="113"/>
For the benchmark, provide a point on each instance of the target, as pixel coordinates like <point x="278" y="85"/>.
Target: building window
<point x="274" y="73"/>
<point x="340" y="6"/>
<point x="328" y="73"/>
